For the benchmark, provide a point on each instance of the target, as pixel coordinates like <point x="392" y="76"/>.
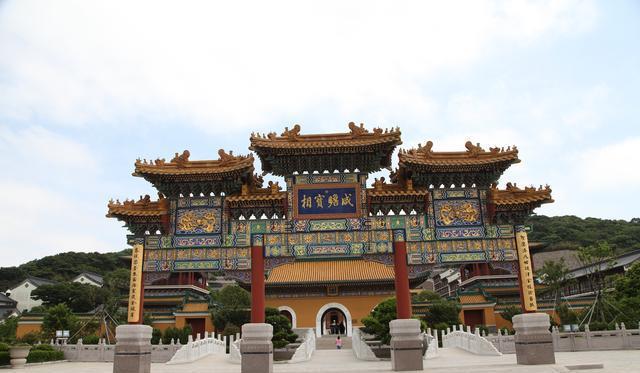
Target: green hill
<point x="573" y="232"/>
<point x="63" y="267"/>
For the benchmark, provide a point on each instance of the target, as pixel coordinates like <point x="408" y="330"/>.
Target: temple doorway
<point x="197" y="326"/>
<point x="473" y="318"/>
<point x="290" y="314"/>
<point x="333" y="318"/>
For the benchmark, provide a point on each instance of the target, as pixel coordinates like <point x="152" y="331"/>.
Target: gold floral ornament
<point x="190" y="221"/>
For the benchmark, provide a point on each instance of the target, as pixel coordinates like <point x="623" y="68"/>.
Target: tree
<point x="282" y="333"/>
<point x="510" y="311"/>
<point x="59" y="317"/>
<point x="573" y="232"/>
<point x="79" y="297"/>
<point x="628" y="286"/>
<point x="439" y="310"/>
<point x="555" y="276"/>
<point x="118" y="281"/>
<point x="426" y="296"/>
<point x="442" y="312"/>
<point x="377" y="322"/>
<point x="233" y="297"/>
<point x="567" y="316"/>
<point x="8" y="329"/>
<point x="596" y="260"/>
<point x="626" y="296"/>
<point x="231" y="306"/>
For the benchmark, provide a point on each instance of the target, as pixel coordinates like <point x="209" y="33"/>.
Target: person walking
<point x="339" y="343"/>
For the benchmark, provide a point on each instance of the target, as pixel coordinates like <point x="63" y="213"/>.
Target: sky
<point x="86" y="87"/>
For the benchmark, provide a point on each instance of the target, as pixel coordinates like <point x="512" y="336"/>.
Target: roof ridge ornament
<point x="291" y="134"/>
<point x="357" y="131"/>
<point x="181" y="159"/>
<point x="473" y="150"/>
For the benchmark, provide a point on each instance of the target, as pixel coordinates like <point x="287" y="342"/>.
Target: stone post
<point x="406" y="345"/>
<point x="534" y="343"/>
<point x="256" y="348"/>
<point x="133" y="349"/>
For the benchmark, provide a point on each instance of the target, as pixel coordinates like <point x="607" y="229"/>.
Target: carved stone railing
<point x="619" y="339"/>
<point x="474" y="343"/>
<point x="234" y="350"/>
<point x="431" y="339"/>
<point x="196" y="350"/>
<point x="103" y="352"/>
<point x="361" y="350"/>
<point x="305" y="351"/>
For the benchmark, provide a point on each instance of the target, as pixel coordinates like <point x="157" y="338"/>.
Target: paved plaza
<point x="329" y="361"/>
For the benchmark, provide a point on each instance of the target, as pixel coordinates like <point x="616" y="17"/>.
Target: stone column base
<point x="406" y="345"/>
<point x="256" y="348"/>
<point x="533" y="340"/>
<point x="133" y="349"/>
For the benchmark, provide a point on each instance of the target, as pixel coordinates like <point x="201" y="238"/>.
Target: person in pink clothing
<point x="338" y="343"/>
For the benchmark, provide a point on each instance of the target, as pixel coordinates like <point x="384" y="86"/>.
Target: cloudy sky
<point x="86" y="87"/>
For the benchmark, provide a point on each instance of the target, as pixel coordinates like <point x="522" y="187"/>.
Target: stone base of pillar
<point x="133" y="349"/>
<point x="256" y="348"/>
<point x="406" y="345"/>
<point x="534" y="343"/>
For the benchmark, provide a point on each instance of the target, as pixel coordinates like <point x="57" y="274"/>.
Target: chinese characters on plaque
<point x="526" y="272"/>
<point x="326" y="201"/>
<point x="135" y="284"/>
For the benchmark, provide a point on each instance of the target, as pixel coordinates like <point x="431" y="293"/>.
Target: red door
<point x="197" y="326"/>
<point x="473" y="318"/>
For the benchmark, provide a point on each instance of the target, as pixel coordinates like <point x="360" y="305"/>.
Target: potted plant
<point x="18" y="353"/>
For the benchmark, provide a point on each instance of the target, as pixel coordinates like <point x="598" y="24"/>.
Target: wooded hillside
<point x="63" y="267"/>
<point x="573" y="232"/>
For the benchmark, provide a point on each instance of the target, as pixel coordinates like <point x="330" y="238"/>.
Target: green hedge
<point x="4" y="358"/>
<point x="38" y="356"/>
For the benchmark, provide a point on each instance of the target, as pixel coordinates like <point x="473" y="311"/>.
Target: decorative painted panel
<point x="457" y="212"/>
<point x="198" y="221"/>
<point x="458" y="233"/>
<point x="326" y="178"/>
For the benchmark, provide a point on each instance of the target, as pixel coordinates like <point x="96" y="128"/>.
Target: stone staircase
<point x="328" y="342"/>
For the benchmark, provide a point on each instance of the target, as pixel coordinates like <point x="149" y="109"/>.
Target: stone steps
<point x="328" y="342"/>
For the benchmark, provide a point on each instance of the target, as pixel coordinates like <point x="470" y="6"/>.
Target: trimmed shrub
<point x="4" y="358"/>
<point x="4" y="347"/>
<point x="156" y="335"/>
<point x="39" y="356"/>
<point x="181" y="335"/>
<point x="91" y="340"/>
<point x="30" y="338"/>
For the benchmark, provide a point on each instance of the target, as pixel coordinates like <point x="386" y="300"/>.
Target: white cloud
<point x="34" y="147"/>
<point x="611" y="166"/>
<point x="36" y="222"/>
<point x="84" y="63"/>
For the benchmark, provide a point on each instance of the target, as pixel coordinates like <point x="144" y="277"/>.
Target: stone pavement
<point x="336" y="361"/>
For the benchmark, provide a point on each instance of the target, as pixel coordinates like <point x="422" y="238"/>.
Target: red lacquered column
<point x="257" y="284"/>
<point x="403" y="297"/>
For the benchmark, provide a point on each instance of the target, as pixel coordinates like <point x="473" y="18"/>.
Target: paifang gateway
<point x="324" y="248"/>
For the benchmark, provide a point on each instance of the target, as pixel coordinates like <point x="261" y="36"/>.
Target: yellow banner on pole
<point x="526" y="272"/>
<point x="135" y="284"/>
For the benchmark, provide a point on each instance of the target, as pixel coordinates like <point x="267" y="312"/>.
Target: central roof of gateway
<point x="361" y="149"/>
